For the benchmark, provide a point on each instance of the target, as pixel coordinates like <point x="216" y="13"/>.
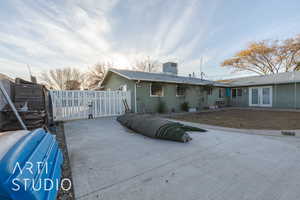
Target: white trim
<point x="260" y="96"/>
<point x="224" y="93"/>
<point x="111" y="70"/>
<point x="216" y="84"/>
<point x="177" y="94"/>
<point x="162" y="87"/>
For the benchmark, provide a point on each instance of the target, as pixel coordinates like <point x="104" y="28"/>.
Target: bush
<point x="161" y="106"/>
<point x="185" y="106"/>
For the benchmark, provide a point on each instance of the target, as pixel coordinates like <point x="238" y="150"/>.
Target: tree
<point x="96" y="74"/>
<point x="62" y="79"/>
<point x="147" y="65"/>
<point x="72" y="85"/>
<point x="267" y="57"/>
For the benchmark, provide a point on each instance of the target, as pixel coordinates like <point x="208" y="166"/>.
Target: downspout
<point x="295" y="92"/>
<point x="135" y="104"/>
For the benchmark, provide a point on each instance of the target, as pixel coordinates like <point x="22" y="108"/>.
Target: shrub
<point x="185" y="106"/>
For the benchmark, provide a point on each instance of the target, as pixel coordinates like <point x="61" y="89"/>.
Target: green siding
<point x="240" y="101"/>
<point x="284" y="96"/>
<point x="211" y="99"/>
<point x="114" y="82"/>
<point x="195" y="96"/>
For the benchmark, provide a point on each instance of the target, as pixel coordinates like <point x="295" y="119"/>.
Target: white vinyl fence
<point x="69" y="105"/>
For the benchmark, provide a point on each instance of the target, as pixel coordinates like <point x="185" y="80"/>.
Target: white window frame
<point x="224" y="93"/>
<point x="260" y="97"/>
<point x="177" y="94"/>
<point x="162" y="87"/>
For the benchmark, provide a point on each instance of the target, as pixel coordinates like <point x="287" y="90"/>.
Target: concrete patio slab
<point x="110" y="162"/>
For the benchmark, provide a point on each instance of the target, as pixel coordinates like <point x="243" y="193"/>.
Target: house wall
<point x="114" y="82"/>
<point x="283" y="97"/>
<point x="211" y="99"/>
<point x="194" y="95"/>
<point x="240" y="101"/>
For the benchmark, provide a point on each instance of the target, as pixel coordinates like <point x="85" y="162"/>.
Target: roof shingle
<point x="280" y="78"/>
<point x="162" y="77"/>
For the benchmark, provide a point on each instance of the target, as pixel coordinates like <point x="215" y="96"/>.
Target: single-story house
<point x="150" y="90"/>
<point x="280" y="90"/>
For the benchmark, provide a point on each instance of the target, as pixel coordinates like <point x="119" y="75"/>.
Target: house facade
<point x="151" y="91"/>
<point x="277" y="91"/>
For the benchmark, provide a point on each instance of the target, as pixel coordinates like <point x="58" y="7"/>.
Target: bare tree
<point x="96" y="74"/>
<point x="147" y="65"/>
<point x="60" y="79"/>
<point x="267" y="57"/>
<point x="72" y="85"/>
<point x="290" y="54"/>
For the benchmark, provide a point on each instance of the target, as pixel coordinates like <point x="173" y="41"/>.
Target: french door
<point x="260" y="96"/>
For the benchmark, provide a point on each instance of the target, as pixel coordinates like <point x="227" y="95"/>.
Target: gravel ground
<point x="246" y="119"/>
<point x="58" y="130"/>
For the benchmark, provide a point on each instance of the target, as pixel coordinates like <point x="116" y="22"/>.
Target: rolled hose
<point x="156" y="127"/>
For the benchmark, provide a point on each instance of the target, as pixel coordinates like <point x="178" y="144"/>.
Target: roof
<point x="280" y="78"/>
<point x="162" y="77"/>
<point x="3" y="77"/>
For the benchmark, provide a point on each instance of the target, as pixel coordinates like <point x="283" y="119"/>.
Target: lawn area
<point x="246" y="119"/>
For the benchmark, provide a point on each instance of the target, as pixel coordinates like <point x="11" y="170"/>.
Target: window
<point x="236" y="92"/>
<point x="180" y="90"/>
<point x="239" y="92"/>
<point x="156" y="90"/>
<point x="221" y="93"/>
<point x="209" y="91"/>
<point x="233" y="93"/>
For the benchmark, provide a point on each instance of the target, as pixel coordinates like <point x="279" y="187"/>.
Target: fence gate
<point x="69" y="105"/>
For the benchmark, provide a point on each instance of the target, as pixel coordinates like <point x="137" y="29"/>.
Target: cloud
<point x="80" y="33"/>
<point x="50" y="34"/>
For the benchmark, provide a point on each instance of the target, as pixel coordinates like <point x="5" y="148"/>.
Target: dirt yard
<point x="246" y="119"/>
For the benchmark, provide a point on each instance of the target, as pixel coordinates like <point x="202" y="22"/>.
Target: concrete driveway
<point x="110" y="162"/>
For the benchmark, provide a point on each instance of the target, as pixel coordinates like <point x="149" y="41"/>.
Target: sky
<point x="49" y="34"/>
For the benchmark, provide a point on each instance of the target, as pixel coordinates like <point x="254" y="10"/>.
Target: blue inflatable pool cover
<point x="30" y="165"/>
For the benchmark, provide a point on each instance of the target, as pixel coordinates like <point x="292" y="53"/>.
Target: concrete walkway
<point x="110" y="162"/>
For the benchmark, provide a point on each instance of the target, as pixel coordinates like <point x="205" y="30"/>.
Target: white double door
<point x="260" y="96"/>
